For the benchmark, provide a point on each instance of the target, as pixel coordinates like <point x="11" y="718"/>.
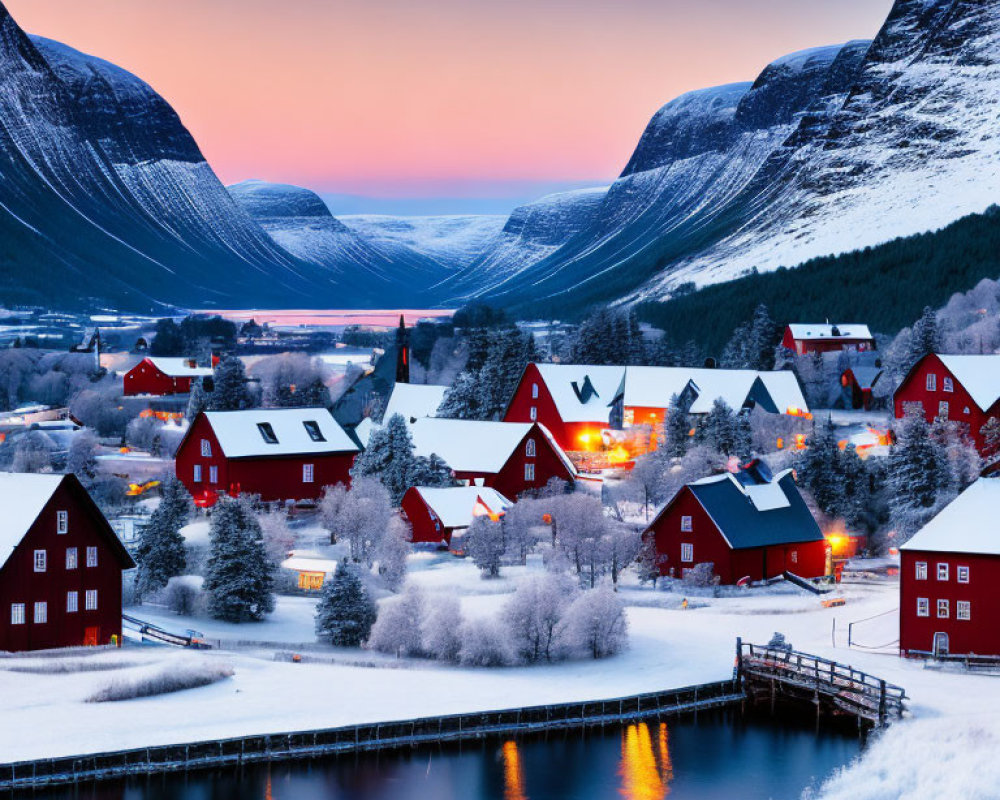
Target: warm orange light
<point x="641" y="777"/>
<point x="124" y="449"/>
<point x="842" y="444"/>
<point x="619" y="455"/>
<point x="691" y="432"/>
<point x="781" y="443"/>
<point x="137" y="489"/>
<point x="513" y="776"/>
<point x="800" y="441"/>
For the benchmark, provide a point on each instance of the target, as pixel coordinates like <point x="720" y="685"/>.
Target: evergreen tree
<point x="431" y="471"/>
<point x="167" y="340"/>
<point x="389" y="458"/>
<point x="345" y="613"/>
<point x="198" y="399"/>
<point x="315" y="395"/>
<point x="925" y="337"/>
<point x="991" y="438"/>
<point x="462" y="400"/>
<point x="239" y="576"/>
<point x="719" y="429"/>
<point x="160" y="552"/>
<point x="676" y="428"/>
<point x="915" y="473"/>
<point x="820" y="471"/>
<point x="230" y="391"/>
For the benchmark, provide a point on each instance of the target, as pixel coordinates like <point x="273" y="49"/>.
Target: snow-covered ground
<point x="953" y="716"/>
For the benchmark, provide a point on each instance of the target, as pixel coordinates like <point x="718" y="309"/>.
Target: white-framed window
<point x="90" y="600"/>
<point x="41" y="560"/>
<point x="942" y="572"/>
<point x="206" y="448"/>
<point x="213" y="474"/>
<point x="687" y="553"/>
<point x="534" y="391"/>
<point x="948" y="385"/>
<point x="91" y="556"/>
<point x="923" y="607"/>
<point x="966" y="410"/>
<point x="687" y="524"/>
<point x="931" y="382"/>
<point x="943" y="409"/>
<point x="529" y="448"/>
<point x="943" y="609"/>
<point x="921" y="570"/>
<point x="962" y="574"/>
<point x="71" y="558"/>
<point x="529" y="472"/>
<point x="17" y="613"/>
<point x="41" y="612"/>
<point x="533" y="413"/>
<point x="308" y="473"/>
<point x="794" y="556"/>
<point x="197" y="473"/>
<point x="62" y="522"/>
<point x="963" y="610"/>
<point x="72" y="602"/>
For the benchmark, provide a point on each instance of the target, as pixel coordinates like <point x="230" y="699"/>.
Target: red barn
<point x="511" y="457"/>
<point x="161" y="376"/>
<point x="277" y="453"/>
<point x="804" y="338"/>
<point x="949" y="573"/>
<point x="858" y="385"/>
<point x="748" y="524"/>
<point x="60" y="566"/>
<point x="437" y="513"/>
<point x="964" y="389"/>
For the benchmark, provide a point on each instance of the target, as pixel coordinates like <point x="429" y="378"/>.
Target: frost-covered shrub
<point x="392" y="550"/>
<point x="183" y="595"/>
<point x="398" y="627"/>
<point x="595" y="625"/>
<point x="442" y="628"/>
<point x="533" y="613"/>
<point x="485" y="644"/>
<point x="700" y="575"/>
<point x="174" y="679"/>
<point x="483" y="542"/>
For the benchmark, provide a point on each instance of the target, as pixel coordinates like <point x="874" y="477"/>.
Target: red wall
<point x="273" y="478"/>
<point x="914" y="390"/>
<point x="426" y="528"/>
<point x="709" y="544"/>
<point x="144" y="378"/>
<point x="19" y="583"/>
<point x="802" y="346"/>
<point x="980" y="634"/>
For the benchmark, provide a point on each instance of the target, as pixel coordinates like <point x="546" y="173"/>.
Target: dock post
<point x="881" y="704"/>
<point x="739" y="662"/>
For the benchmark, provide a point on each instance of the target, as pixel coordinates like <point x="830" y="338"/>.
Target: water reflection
<point x="513" y="774"/>
<point x="646" y="772"/>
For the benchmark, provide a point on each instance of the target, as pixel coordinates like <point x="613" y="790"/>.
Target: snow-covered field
<point x="953" y="716"/>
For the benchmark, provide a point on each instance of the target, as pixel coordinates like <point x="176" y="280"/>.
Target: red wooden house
<point x="858" y="386"/>
<point x="436" y="514"/>
<point x="949" y="600"/>
<point x="804" y="338"/>
<point x="276" y="453"/>
<point x="964" y="389"/>
<point x="60" y="566"/>
<point x="511" y="457"/>
<point x="747" y="524"/>
<point x="162" y="376"/>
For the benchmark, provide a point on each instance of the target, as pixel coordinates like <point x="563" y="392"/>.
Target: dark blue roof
<point x="744" y="525"/>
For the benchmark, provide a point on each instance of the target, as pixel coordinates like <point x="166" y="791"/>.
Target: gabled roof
<point x="754" y="513"/>
<point x="966" y="525"/>
<point x="866" y="377"/>
<point x="414" y="401"/>
<point x="805" y="330"/>
<point x="979" y="375"/>
<point x="456" y="506"/>
<point x="178" y="367"/>
<point x="570" y="384"/>
<point x="240" y="435"/>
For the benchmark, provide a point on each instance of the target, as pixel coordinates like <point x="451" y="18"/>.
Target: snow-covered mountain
<point x="452" y="240"/>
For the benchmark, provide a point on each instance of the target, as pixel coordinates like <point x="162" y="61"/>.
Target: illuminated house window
<point x="931" y="382"/>
<point x="310" y="581"/>
<point x="923" y="607"/>
<point x="62" y="522"/>
<point x="921" y="570"/>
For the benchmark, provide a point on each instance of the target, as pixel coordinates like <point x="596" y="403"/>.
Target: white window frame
<point x="687" y="553"/>
<point x="529" y="472"/>
<point x="41" y="615"/>
<point x="920" y="571"/>
<point x="206" y="448"/>
<point x="213" y="474"/>
<point x="931" y="382"/>
<point x="41" y="561"/>
<point x="943" y="608"/>
<point x="90" y="600"/>
<point x="92" y="556"/>
<point x="533" y="413"/>
<point x="197" y="473"/>
<point x="943" y="571"/>
<point x="534" y="391"/>
<point x="948" y="384"/>
<point x="963" y="610"/>
<point x="687" y="523"/>
<point x="72" y="602"/>
<point x="530" y="450"/>
<point x="62" y="522"/>
<point x="962" y="574"/>
<point x="18" y="614"/>
<point x="923" y="607"/>
<point x="72" y="558"/>
<point x="308" y="473"/>
<point x="943" y="409"/>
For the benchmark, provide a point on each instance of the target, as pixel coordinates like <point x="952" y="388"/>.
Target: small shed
<point x="438" y="514"/>
<point x="159" y="376"/>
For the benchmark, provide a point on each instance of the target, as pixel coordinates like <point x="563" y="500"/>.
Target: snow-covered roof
<point x="178" y="367"/>
<point x="364" y="430"/>
<point x="456" y="506"/>
<point x="785" y="390"/>
<point x="240" y="435"/>
<point x="966" y="525"/>
<point x="413" y="401"/>
<point x="805" y="330"/>
<point x="23" y="495"/>
<point x="560" y="378"/>
<point x="305" y="563"/>
<point x="979" y="375"/>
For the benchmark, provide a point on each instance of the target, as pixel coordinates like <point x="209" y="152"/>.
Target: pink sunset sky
<point x="397" y="98"/>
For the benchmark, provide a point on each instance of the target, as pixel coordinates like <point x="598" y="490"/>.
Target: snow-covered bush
<point x="594" y="625"/>
<point x="174" y="679"/>
<point x="533" y="613"/>
<point x="701" y="575"/>
<point x="358" y="516"/>
<point x="442" y="627"/>
<point x="484" y="544"/>
<point x="398" y="627"/>
<point x="345" y="613"/>
<point x="485" y="644"/>
<point x="184" y="596"/>
<point x="392" y="551"/>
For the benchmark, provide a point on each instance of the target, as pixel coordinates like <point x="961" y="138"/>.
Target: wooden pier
<point x="773" y="674"/>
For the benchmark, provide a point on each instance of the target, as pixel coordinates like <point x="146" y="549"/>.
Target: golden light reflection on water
<point x="646" y="771"/>
<point x="513" y="775"/>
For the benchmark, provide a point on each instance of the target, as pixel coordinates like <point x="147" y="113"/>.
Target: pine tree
<point x="389" y="458"/>
<point x="915" y="473"/>
<point x="431" y="471"/>
<point x="239" y="576"/>
<point x="676" y="428"/>
<point x="160" y="552"/>
<point x="820" y="472"/>
<point x="230" y="391"/>
<point x="463" y="399"/>
<point x="198" y="399"/>
<point x="718" y="429"/>
<point x="315" y="395"/>
<point x="345" y="613"/>
<point x="925" y="337"/>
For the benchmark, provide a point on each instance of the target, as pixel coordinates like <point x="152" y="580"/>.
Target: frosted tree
<point x="442" y="628"/>
<point x="359" y="516"/>
<point x="960" y="462"/>
<point x="485" y="545"/>
<point x="724" y="431"/>
<point x="389" y="458"/>
<point x="646" y="479"/>
<point x="580" y="530"/>
<point x="391" y="552"/>
<point x="925" y="337"/>
<point x="33" y="452"/>
<point x="462" y="400"/>
<point x="430" y="471"/>
<point x="915" y="474"/>
<point x="991" y="439"/>
<point x="485" y="643"/>
<point x="594" y="625"/>
<point x="198" y="399"/>
<point x="160" y="552"/>
<point x="649" y="561"/>
<point x="398" y="627"/>
<point x="533" y="613"/>
<point x="230" y="391"/>
<point x="622" y="546"/>
<point x="519" y="528"/>
<point x="239" y="577"/>
<point x="82" y="458"/>
<point x="753" y="343"/>
<point x="279" y="539"/>
<point x="345" y="613"/>
<point x="676" y="428"/>
<point x="820" y="473"/>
